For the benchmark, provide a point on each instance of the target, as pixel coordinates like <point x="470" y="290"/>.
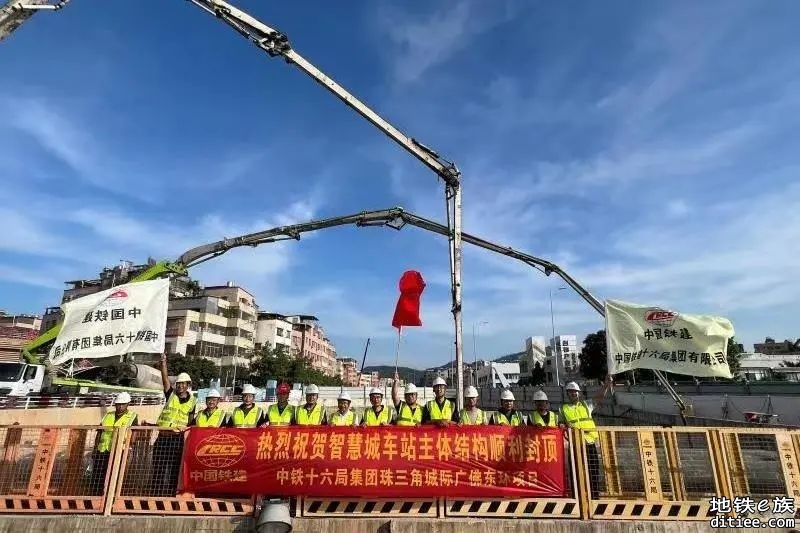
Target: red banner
<point x="386" y="462"/>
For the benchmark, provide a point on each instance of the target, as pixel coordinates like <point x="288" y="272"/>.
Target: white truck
<point x="21" y="379"/>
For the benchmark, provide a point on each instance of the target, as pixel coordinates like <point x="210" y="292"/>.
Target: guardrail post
<point x="27" y="402"/>
<point x="115" y="468"/>
<point x="788" y="458"/>
<point x="581" y="469"/>
<point x="650" y="471"/>
<point x="674" y="465"/>
<point x="43" y="463"/>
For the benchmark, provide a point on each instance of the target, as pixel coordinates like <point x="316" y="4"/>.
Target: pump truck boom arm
<point x="276" y="44"/>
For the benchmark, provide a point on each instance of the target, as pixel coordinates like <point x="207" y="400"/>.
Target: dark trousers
<point x="167" y="454"/>
<point x="99" y="469"/>
<point x="593" y="462"/>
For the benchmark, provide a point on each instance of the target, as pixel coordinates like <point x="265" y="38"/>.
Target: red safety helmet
<point x="283" y="388"/>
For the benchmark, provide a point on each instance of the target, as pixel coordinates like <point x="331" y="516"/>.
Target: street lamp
<point x="553" y="340"/>
<point x="476" y="325"/>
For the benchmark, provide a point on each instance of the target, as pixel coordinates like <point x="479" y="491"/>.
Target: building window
<point x="280" y="332"/>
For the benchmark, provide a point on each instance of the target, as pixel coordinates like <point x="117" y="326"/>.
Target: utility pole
<point x="553" y="339"/>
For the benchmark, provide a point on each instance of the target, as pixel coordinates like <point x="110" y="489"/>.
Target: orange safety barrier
<point x="650" y="473"/>
<point x="147" y="481"/>
<point x="53" y="470"/>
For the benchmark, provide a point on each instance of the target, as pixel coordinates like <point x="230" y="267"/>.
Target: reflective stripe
<point x="539" y="421"/>
<point x="372" y="419"/>
<point x="210" y="421"/>
<point x="579" y="417"/>
<point x="348" y="419"/>
<point x="278" y="418"/>
<point x="110" y="421"/>
<point x="445" y="413"/>
<point x="176" y="413"/>
<point x="406" y="417"/>
<point x="305" y="418"/>
<point x="467" y="419"/>
<point x="503" y="420"/>
<point x="249" y="420"/>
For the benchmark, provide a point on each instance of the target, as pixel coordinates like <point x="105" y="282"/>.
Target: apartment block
<point x="770" y="347"/>
<point x="273" y="329"/>
<point x="348" y="371"/>
<point x="15" y="332"/>
<point x="310" y="342"/>
<point x="218" y="325"/>
<point x="495" y="375"/>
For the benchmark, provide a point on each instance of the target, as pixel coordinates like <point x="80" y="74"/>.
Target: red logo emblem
<point x="220" y="451"/>
<point x="660" y="317"/>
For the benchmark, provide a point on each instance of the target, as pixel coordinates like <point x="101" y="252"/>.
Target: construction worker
<point x="121" y="417"/>
<point x="440" y="411"/>
<point x="248" y="414"/>
<point x="167" y="450"/>
<point x="506" y="415"/>
<point x="312" y="413"/>
<point x="409" y="412"/>
<point x="377" y="414"/>
<point x="471" y="415"/>
<point x="343" y="416"/>
<point x="281" y="413"/>
<point x="542" y="416"/>
<point x="577" y="414"/>
<point x="212" y="416"/>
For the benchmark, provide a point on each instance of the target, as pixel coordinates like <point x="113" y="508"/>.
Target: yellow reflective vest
<point x="407" y="417"/>
<point x="502" y="420"/>
<point x="249" y="420"/>
<point x="371" y="418"/>
<point x="445" y="413"/>
<point x="579" y="416"/>
<point x="176" y="413"/>
<point x="347" y="419"/>
<point x="110" y="421"/>
<point x="304" y="417"/>
<point x="466" y="418"/>
<point x="537" y="419"/>
<point x="280" y="418"/>
<point x="214" y="420"/>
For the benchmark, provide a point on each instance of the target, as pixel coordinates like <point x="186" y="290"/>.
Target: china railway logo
<point x="220" y="451"/>
<point x="115" y="298"/>
<point x="660" y="317"/>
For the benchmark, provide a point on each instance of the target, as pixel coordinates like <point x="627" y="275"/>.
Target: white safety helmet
<point x="471" y="392"/>
<point x="312" y="389"/>
<point x="411" y="388"/>
<point x="248" y="389"/>
<point x="573" y="386"/>
<point x="213" y="393"/>
<point x="375" y="390"/>
<point x="345" y="396"/>
<point x="507" y="395"/>
<point x="539" y="396"/>
<point x="122" y="397"/>
<point x="439" y="381"/>
<point x="183" y="377"/>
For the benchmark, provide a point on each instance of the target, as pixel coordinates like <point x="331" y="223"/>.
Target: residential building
<point x="348" y="371"/>
<point x="273" y="329"/>
<point x="755" y="366"/>
<point x="15" y="332"/>
<point x="310" y="342"/>
<point x="770" y="347"/>
<point x="218" y="325"/>
<point x="535" y="352"/>
<point x="432" y="373"/>
<point x="493" y="375"/>
<point x="369" y="379"/>
<point x="566" y="347"/>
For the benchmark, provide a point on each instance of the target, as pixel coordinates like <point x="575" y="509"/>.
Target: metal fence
<point x="48" y="402"/>
<point x="643" y="473"/>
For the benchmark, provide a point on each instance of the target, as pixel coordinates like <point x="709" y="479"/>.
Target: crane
<point x="276" y="44"/>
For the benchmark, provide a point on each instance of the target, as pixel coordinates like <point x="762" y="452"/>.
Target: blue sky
<point x="648" y="148"/>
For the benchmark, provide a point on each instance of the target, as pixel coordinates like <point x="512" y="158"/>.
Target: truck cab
<point x="21" y="379"/>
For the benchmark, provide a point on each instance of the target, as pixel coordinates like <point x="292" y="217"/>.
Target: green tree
<point x="593" y="360"/>
<point x="201" y="370"/>
<point x="276" y="363"/>
<point x="538" y="375"/>
<point x="734" y="353"/>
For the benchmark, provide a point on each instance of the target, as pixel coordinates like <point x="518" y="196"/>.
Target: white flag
<point x="124" y="319"/>
<point x="639" y="336"/>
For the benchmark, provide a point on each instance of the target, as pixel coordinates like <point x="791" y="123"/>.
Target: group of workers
<point x="179" y="412"/>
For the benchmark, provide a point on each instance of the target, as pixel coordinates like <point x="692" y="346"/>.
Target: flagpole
<point x="397" y="350"/>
